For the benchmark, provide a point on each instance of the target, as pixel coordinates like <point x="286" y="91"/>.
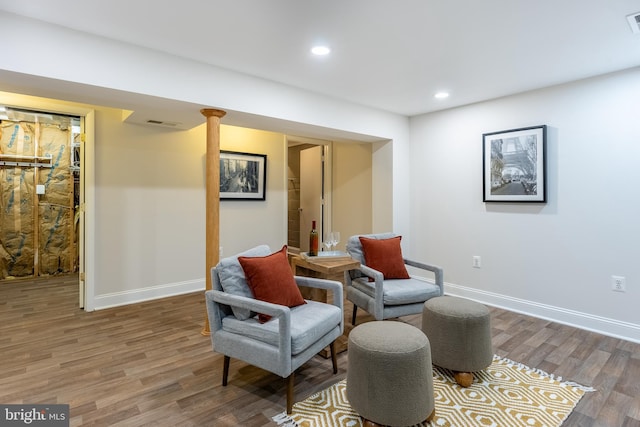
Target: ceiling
<point x="392" y="56"/>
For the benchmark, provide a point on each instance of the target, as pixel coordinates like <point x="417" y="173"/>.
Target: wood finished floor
<point x="148" y="364"/>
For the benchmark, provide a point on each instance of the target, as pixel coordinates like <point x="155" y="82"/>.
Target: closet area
<point x="40" y="155"/>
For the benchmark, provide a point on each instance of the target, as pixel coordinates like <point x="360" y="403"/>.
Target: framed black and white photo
<point x="242" y="176"/>
<point x="514" y="165"/>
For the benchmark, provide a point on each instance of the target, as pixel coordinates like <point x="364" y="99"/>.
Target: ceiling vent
<point x="162" y="123"/>
<point x="634" y="22"/>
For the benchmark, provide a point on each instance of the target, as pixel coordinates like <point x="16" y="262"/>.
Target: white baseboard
<point x="145" y="294"/>
<point x="602" y="325"/>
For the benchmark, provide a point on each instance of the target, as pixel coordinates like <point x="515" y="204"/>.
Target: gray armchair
<point x="282" y="344"/>
<point x="389" y="298"/>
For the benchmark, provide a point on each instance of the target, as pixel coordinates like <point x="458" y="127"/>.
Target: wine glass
<point x="328" y="240"/>
<point x="336" y="238"/>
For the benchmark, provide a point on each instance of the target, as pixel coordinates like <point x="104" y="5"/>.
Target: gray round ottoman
<point x="389" y="374"/>
<point x="459" y="331"/>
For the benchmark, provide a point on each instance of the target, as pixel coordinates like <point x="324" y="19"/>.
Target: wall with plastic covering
<point x="37" y="235"/>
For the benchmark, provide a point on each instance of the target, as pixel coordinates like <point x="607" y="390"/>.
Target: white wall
<point x="148" y="192"/>
<point x="109" y="64"/>
<point x="553" y="260"/>
<point x="127" y="263"/>
<point x="244" y="224"/>
<point x="351" y="196"/>
<point x="150" y="206"/>
<point x="149" y="196"/>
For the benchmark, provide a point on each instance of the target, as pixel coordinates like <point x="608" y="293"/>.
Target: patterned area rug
<point x="505" y="394"/>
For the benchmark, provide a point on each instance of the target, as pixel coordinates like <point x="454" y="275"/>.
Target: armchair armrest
<point x="370" y="272"/>
<point x="331" y="285"/>
<point x="437" y="271"/>
<point x="378" y="279"/>
<point x="282" y="312"/>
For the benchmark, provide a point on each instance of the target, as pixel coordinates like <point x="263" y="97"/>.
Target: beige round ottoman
<point x="459" y="331"/>
<point x="389" y="374"/>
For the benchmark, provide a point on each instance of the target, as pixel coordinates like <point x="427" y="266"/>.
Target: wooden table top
<point x="328" y="266"/>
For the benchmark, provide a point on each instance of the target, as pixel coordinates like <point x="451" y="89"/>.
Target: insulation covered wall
<point x="55" y="206"/>
<point x="16" y="202"/>
<point x="37" y="234"/>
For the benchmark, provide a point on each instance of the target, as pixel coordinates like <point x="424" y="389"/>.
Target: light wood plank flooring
<point x="147" y="364"/>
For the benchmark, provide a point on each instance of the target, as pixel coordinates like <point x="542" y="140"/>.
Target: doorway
<point x="309" y="190"/>
<point x="40" y="193"/>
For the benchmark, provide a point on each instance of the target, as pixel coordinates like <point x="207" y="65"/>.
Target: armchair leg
<point x="353" y="317"/>
<point x="290" y="393"/>
<point x="225" y="370"/>
<point x="334" y="360"/>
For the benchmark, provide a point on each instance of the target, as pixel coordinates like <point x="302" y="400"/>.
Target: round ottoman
<point x="389" y="374"/>
<point x="459" y="331"/>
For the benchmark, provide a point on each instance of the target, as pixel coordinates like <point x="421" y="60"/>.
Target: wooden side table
<point x="325" y="269"/>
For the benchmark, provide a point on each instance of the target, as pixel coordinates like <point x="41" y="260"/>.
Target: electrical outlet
<point x="618" y="284"/>
<point x="220" y="252"/>
<point x="477" y="262"/>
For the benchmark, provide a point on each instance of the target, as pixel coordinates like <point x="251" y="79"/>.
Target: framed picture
<point x="514" y="165"/>
<point x="242" y="176"/>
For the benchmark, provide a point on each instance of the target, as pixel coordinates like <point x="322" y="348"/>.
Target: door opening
<point x="40" y="194"/>
<point x="309" y="190"/>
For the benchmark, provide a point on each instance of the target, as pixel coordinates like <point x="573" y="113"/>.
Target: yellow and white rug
<point x="505" y="394"/>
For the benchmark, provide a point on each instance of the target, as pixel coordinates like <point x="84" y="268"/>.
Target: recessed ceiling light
<point x="320" y="50"/>
<point x="441" y="95"/>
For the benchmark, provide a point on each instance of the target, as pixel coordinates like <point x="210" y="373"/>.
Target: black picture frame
<point x="243" y="176"/>
<point x="514" y="165"/>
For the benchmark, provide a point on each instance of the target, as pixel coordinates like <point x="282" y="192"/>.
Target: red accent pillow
<point x="385" y="255"/>
<point x="271" y="279"/>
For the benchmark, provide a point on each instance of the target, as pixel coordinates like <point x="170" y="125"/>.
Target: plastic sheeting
<point x="23" y="215"/>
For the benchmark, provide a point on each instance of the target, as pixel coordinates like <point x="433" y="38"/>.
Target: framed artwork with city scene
<point x="514" y="165"/>
<point x="242" y="176"/>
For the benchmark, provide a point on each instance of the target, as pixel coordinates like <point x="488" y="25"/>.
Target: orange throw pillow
<point x="385" y="255"/>
<point x="271" y="280"/>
